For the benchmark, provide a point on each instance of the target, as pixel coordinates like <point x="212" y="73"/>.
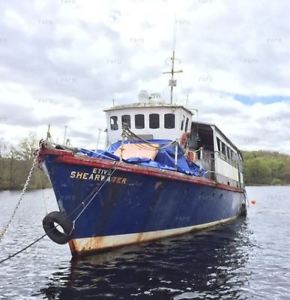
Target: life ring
<point x="184" y="139"/>
<point x="51" y="230"/>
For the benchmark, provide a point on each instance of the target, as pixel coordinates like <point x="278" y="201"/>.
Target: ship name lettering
<point x="97" y="176"/>
<point x="101" y="171"/>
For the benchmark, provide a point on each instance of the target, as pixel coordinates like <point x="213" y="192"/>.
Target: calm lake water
<point x="247" y="259"/>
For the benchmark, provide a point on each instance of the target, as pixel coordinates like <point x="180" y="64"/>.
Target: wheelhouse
<point x="149" y="121"/>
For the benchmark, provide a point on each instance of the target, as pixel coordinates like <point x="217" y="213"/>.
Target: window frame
<point x="123" y="121"/>
<point x="135" y="121"/>
<point x="182" y="122"/>
<point x="224" y="149"/>
<point x="186" y="125"/>
<point x="166" y="121"/>
<point x="153" y="121"/>
<point x="114" y="126"/>
<point x="218" y="144"/>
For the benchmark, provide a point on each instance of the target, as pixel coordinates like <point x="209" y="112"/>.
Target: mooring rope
<point x="85" y="206"/>
<point x="3" y="232"/>
<point x="23" y="249"/>
<point x="88" y="201"/>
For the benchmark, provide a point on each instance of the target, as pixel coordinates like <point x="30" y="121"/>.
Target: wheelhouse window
<point x="139" y="121"/>
<point x="154" y="121"/>
<point x="186" y="125"/>
<point x="169" y="121"/>
<point x="126" y="121"/>
<point x="114" y="123"/>
<point x="182" y="123"/>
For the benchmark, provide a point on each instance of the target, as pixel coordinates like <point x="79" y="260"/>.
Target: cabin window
<point x="154" y="121"/>
<point x="114" y="123"/>
<point x="229" y="153"/>
<point x="126" y="121"/>
<point x="219" y="144"/>
<point x="169" y="121"/>
<point x="223" y="149"/>
<point x="182" y="123"/>
<point x="139" y="121"/>
<point x="186" y="125"/>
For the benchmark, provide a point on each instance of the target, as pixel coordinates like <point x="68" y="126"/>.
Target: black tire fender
<point x="53" y="220"/>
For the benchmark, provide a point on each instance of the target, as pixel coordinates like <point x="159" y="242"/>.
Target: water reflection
<point x="208" y="265"/>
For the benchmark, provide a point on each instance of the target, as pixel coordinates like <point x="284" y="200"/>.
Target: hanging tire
<point x="53" y="220"/>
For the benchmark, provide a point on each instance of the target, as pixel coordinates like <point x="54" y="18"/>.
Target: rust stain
<point x="158" y="185"/>
<point x="93" y="244"/>
<point x="72" y="247"/>
<point x="139" y="238"/>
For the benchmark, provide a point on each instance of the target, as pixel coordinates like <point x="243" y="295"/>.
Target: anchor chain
<point x="3" y="232"/>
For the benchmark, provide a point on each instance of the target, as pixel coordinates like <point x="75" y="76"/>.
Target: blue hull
<point x="127" y="205"/>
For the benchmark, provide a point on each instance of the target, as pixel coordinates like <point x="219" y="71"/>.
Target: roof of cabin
<point x="147" y="105"/>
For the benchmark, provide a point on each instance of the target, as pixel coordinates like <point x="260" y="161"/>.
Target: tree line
<point x="266" y="168"/>
<point x="15" y="164"/>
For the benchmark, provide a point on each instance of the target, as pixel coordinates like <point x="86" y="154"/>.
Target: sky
<point x="63" y="61"/>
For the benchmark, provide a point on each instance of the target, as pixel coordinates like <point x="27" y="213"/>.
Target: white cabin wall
<point x="242" y="178"/>
<point x="158" y="133"/>
<point x="223" y="166"/>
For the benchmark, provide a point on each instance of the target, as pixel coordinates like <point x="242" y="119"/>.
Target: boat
<point x="162" y="174"/>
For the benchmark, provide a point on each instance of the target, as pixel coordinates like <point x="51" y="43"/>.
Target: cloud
<point x="62" y="62"/>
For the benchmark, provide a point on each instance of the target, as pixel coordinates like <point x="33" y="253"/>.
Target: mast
<point x="172" y="81"/>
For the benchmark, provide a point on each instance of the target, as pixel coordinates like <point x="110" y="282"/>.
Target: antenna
<point x="64" y="136"/>
<point x="99" y="135"/>
<point x="48" y="135"/>
<point x="172" y="81"/>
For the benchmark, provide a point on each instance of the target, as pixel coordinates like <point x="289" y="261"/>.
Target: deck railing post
<point x="201" y="153"/>
<point x="175" y="157"/>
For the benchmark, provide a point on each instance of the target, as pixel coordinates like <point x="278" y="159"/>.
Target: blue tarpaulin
<point x="165" y="158"/>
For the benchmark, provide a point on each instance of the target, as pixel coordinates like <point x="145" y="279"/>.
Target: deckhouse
<point x="149" y="120"/>
<point x="205" y="144"/>
<point x="217" y="154"/>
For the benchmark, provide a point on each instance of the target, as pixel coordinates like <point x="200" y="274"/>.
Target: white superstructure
<point x="205" y="144"/>
<point x="149" y="121"/>
<point x="218" y="154"/>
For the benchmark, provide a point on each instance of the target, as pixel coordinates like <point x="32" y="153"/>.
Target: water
<point x="247" y="259"/>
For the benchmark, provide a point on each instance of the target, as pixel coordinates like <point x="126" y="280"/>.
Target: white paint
<point x="224" y="165"/>
<point x="97" y="243"/>
<point x="146" y="109"/>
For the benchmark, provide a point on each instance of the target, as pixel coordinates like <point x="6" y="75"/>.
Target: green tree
<point x="27" y="147"/>
<point x="257" y="172"/>
<point x="15" y="167"/>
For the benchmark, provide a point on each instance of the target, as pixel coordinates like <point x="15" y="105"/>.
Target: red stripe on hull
<point x="67" y="157"/>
